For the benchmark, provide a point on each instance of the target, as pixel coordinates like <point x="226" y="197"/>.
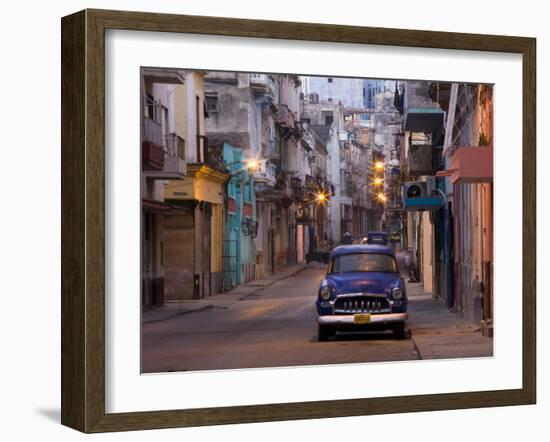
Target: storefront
<point x="193" y="234"/>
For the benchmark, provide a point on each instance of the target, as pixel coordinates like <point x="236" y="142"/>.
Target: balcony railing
<point x="152" y="131"/>
<point x="174" y="160"/>
<point x="310" y="182"/>
<point x="208" y="154"/>
<point x="163" y="157"/>
<point x="175" y="146"/>
<point x="152" y="149"/>
<point x="266" y="173"/>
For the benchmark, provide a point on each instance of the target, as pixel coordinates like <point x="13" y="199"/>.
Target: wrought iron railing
<point x="175" y="145"/>
<point x="209" y="154"/>
<point x="152" y="131"/>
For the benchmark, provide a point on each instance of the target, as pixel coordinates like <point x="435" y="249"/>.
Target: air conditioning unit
<point x="422" y="195"/>
<point x="415" y="189"/>
<point x="421" y="160"/>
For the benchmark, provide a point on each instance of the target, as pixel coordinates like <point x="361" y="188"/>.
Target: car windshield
<point x="363" y="262"/>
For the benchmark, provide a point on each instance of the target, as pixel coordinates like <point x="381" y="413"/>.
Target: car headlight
<point x="325" y="293"/>
<point x="397" y="293"/>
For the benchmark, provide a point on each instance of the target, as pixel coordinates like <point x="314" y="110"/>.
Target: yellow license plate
<point x="362" y="318"/>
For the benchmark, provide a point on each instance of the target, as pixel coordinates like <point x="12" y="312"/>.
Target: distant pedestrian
<point x="409" y="264"/>
<point x="347" y="238"/>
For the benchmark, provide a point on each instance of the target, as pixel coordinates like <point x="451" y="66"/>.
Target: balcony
<point x="162" y="158"/>
<point x="261" y="84"/>
<point x="152" y="156"/>
<point x="174" y="160"/>
<point x="210" y="155"/>
<point x="297" y="188"/>
<point x="152" y="149"/>
<point x="310" y="182"/>
<point x="267" y="173"/>
<point x="284" y="117"/>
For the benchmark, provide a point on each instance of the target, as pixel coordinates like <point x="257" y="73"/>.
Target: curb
<point x="181" y="313"/>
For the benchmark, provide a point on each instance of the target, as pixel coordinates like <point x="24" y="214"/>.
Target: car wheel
<point x="325" y="333"/>
<point x="399" y="330"/>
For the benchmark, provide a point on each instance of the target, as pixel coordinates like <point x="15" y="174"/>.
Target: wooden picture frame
<point x="83" y="220"/>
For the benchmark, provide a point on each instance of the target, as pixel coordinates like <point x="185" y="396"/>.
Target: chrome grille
<point x="361" y="304"/>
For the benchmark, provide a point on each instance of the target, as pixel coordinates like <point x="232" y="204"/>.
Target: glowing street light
<point x="252" y="165"/>
<point x="379" y="165"/>
<point x="378" y="181"/>
<point x="321" y="197"/>
<point x="380" y="196"/>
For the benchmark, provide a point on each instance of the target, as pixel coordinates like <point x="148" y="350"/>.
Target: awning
<point x="471" y="165"/>
<point x="154" y="206"/>
<point x="148" y="205"/>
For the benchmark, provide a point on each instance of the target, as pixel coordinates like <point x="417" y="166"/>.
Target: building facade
<point x="194" y="226"/>
<point x="447" y="145"/>
<point x="163" y="158"/>
<point x="241" y="226"/>
<point x="260" y="115"/>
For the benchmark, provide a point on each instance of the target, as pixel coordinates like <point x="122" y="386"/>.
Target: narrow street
<point x="232" y="211"/>
<point x="273" y="323"/>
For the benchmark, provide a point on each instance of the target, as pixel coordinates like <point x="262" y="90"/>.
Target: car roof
<point x="362" y="248"/>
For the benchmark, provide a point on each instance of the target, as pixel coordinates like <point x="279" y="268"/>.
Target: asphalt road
<point x="274" y="327"/>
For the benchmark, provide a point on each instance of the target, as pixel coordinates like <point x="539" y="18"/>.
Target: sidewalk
<point x="220" y="300"/>
<point x="438" y="333"/>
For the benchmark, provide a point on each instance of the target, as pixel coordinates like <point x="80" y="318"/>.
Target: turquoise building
<point x="240" y="225"/>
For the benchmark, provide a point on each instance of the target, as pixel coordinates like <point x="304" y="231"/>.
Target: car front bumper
<point x="385" y="318"/>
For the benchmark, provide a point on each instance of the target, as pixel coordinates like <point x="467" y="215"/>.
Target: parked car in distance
<point x="362" y="290"/>
<point x="377" y="238"/>
<point x="373" y="238"/>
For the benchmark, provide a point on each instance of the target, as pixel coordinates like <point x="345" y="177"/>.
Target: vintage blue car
<point x="362" y="290"/>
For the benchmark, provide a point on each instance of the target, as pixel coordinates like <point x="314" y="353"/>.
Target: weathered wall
<point x="232" y="122"/>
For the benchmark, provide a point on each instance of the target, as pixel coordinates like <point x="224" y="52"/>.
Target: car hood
<point x="373" y="282"/>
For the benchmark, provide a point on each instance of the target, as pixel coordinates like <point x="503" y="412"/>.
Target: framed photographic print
<point x="270" y="220"/>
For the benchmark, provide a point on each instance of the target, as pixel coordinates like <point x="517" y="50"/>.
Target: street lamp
<point x="379" y="165"/>
<point x="252" y="165"/>
<point x="321" y="197"/>
<point x="381" y="197"/>
<point x="378" y="181"/>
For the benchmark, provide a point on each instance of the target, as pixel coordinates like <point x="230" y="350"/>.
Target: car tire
<point x="324" y="333"/>
<point x="399" y="330"/>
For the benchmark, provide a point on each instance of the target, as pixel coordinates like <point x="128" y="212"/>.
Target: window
<point x="151" y="108"/>
<point x="363" y="262"/>
<point x="329" y="80"/>
<point x="329" y="118"/>
<point x="211" y="102"/>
